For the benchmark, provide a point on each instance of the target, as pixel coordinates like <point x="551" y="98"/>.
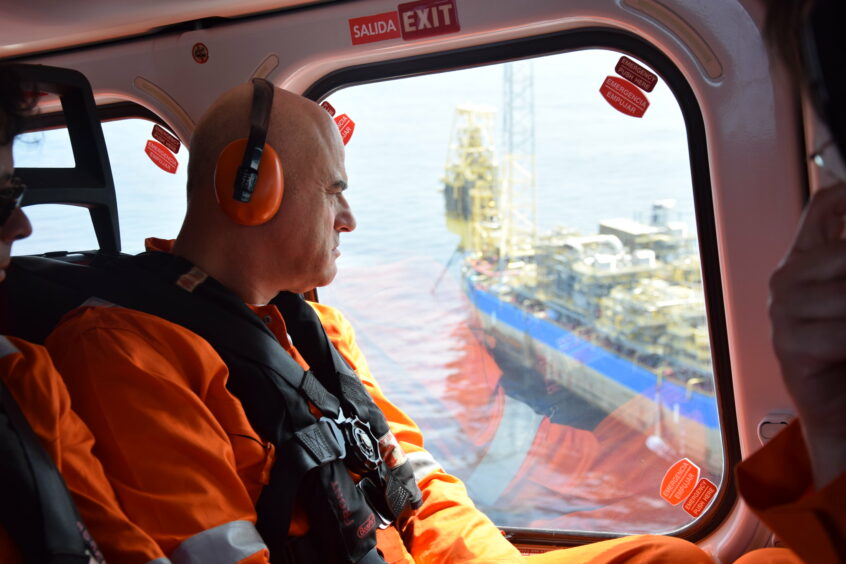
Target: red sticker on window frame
<point x="624" y="96"/>
<point x="679" y="481"/>
<point x="329" y="108"/>
<point x="346" y="126"/>
<point x="701" y="497"/>
<point x="427" y="18"/>
<point x="166" y="138"/>
<point x="378" y="27"/>
<point x="636" y="74"/>
<point x="161" y="156"/>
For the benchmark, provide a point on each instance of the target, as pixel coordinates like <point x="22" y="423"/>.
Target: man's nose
<point x="345" y="220"/>
<point x="16" y="227"/>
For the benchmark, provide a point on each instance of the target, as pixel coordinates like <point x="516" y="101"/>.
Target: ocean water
<point x="401" y="291"/>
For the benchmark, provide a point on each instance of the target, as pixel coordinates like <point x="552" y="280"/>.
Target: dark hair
<point x="15" y="104"/>
<point x="783" y="28"/>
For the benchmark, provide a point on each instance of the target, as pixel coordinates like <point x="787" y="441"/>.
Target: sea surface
<point x="399" y="274"/>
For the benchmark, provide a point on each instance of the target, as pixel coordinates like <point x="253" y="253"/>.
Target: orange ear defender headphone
<point x="247" y="197"/>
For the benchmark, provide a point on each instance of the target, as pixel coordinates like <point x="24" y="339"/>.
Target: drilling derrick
<point x="492" y="209"/>
<point x="517" y="192"/>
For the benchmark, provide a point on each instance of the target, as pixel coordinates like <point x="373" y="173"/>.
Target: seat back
<point x="37" y="291"/>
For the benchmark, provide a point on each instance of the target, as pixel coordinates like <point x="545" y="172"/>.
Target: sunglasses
<point x="10" y="197"/>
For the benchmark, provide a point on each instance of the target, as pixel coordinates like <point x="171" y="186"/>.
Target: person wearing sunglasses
<point x="49" y="476"/>
<point x="14" y="224"/>
<point x="797" y="483"/>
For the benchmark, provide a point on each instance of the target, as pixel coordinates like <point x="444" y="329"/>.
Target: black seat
<point x="40" y="290"/>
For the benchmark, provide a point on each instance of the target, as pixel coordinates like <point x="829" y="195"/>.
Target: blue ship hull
<point x="694" y="405"/>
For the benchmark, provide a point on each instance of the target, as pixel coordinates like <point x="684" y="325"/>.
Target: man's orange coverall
<point x="777" y="484"/>
<point x="29" y="375"/>
<point x="187" y="465"/>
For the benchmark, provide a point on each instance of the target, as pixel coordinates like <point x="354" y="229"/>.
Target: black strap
<point x="393" y="490"/>
<point x="327" y="364"/>
<point x="245" y="178"/>
<point x="37" y="508"/>
<point x="312" y="447"/>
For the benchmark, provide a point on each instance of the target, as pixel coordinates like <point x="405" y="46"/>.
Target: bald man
<point x="294" y="251"/>
<point x="216" y="441"/>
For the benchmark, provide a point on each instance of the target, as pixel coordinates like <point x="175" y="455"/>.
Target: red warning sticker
<point x="328" y="107"/>
<point x="624" y="96"/>
<point x="679" y="481"/>
<point x="701" y="497"/>
<point x="161" y="156"/>
<point x="166" y="138"/>
<point x="346" y="126"/>
<point x="635" y="73"/>
<point x="377" y="27"/>
<point x="427" y="18"/>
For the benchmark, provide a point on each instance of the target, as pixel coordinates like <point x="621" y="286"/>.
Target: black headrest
<point x="90" y="182"/>
<point x="38" y="291"/>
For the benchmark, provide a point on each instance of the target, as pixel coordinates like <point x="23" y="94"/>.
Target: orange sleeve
<point x="777" y="484"/>
<point x="448" y="527"/>
<point x="40" y="393"/>
<point x="155" y="399"/>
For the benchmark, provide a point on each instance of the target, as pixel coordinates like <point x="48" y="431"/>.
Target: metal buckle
<point x="362" y="447"/>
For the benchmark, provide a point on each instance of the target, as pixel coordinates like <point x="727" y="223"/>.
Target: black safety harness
<point x="37" y="510"/>
<point x="316" y="455"/>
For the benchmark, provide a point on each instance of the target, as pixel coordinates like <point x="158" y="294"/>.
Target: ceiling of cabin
<point x="33" y="26"/>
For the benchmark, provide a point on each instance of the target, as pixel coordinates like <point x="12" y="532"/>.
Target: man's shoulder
<point x="28" y="371"/>
<point x="327" y="314"/>
<point x="34" y="358"/>
<point x="14" y="345"/>
<point x="334" y="322"/>
<point x="98" y="315"/>
<point x="108" y="336"/>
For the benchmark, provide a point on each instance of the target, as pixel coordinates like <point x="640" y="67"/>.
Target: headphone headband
<point x="245" y="178"/>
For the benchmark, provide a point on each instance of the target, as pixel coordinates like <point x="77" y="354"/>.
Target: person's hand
<point x="808" y="313"/>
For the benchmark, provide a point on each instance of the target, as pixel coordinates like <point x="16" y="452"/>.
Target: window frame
<point x="112" y="111"/>
<point x="629" y="44"/>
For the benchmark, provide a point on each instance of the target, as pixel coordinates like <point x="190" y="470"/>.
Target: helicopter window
<point x="151" y="202"/>
<point x="525" y="282"/>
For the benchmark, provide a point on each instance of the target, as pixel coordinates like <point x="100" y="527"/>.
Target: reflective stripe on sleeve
<point x="422" y="463"/>
<point x="161" y="560"/>
<point x="224" y="544"/>
<point x="6" y="347"/>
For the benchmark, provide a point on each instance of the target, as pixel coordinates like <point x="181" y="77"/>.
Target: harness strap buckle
<point x="363" y="454"/>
